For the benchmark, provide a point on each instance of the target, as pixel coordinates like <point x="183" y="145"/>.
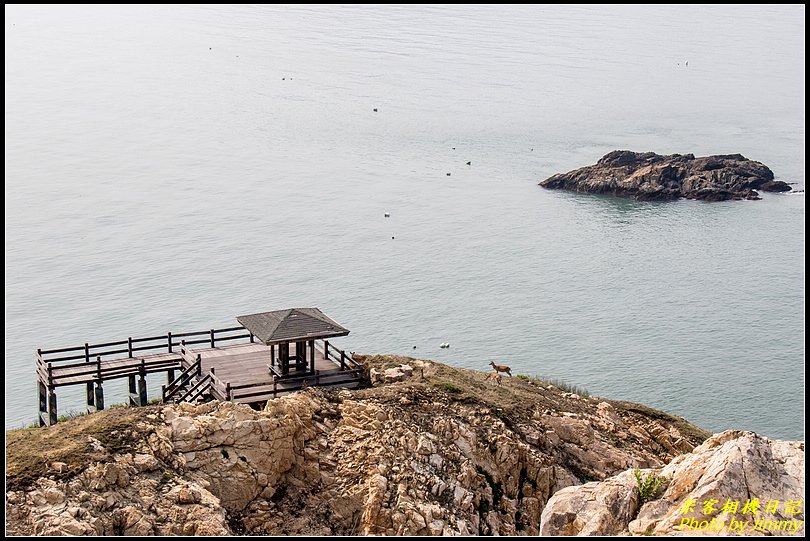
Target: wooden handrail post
<point x="213" y="342"/>
<point x="199" y="364"/>
<point x="43" y="403"/>
<point x="129" y="347"/>
<point x="133" y="390"/>
<point x="99" y="396"/>
<point x="169" y="337"/>
<point x="326" y="349"/>
<point x="342" y="359"/>
<point x="251" y="337"/>
<point x="86" y="352"/>
<point x="98" y="369"/>
<point x="53" y="416"/>
<point x="228" y="392"/>
<point x="91" y="397"/>
<point x="142" y="394"/>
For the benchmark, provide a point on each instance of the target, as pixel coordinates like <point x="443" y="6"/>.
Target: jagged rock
<point x="145" y="462"/>
<point x="730" y="466"/>
<point x="185" y="495"/>
<point x="652" y="177"/>
<point x="393" y="375"/>
<point x="397" y="373"/>
<point x="648" y="517"/>
<point x="592" y="509"/>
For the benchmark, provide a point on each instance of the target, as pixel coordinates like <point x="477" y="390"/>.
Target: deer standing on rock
<point x="494" y="376"/>
<point x="501" y="368"/>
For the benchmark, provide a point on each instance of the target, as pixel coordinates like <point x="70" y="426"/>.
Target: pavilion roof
<point x="291" y="325"/>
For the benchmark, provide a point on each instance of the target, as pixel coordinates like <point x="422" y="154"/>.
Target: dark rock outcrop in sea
<point x="647" y="176"/>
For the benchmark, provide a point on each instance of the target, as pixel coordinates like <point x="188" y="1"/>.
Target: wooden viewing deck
<point x="226" y="364"/>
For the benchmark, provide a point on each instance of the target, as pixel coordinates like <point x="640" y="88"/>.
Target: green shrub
<point x="648" y="487"/>
<point x="569" y="388"/>
<point x="450" y="388"/>
<point x="523" y="376"/>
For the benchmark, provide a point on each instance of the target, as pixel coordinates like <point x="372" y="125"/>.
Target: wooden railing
<point x="186" y="376"/>
<point x="98" y="370"/>
<point x="272" y="388"/>
<point x="158" y="344"/>
<point x="197" y="390"/>
<point x="89" y="356"/>
<point x="338" y="356"/>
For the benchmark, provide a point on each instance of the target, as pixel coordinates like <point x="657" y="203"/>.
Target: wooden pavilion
<point x="268" y="355"/>
<point x="291" y="335"/>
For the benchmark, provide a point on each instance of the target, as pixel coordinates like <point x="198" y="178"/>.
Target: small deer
<point x="55" y="467"/>
<point x="496" y="376"/>
<point x="358" y="357"/>
<point x="501" y="368"/>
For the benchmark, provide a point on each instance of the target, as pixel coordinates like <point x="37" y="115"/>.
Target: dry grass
<point x="30" y="451"/>
<point x="516" y="398"/>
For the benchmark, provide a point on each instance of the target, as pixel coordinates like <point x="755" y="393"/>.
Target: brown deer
<point x="55" y="467"/>
<point x="496" y="376"/>
<point x="359" y="358"/>
<point x="501" y="368"/>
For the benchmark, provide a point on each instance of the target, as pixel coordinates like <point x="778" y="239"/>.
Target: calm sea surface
<point x="169" y="168"/>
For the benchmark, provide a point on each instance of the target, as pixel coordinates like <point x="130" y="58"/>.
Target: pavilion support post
<point x="99" y="397"/>
<point x="91" y="397"/>
<point x="273" y="355"/>
<point x="42" y="391"/>
<point x="312" y="355"/>
<point x="52" y="409"/>
<point x="170" y="376"/>
<point x="284" y="357"/>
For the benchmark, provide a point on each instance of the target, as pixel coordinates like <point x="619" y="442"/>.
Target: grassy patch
<point x="569" y="387"/>
<point x="30" y="451"/>
<point x="686" y="428"/>
<point x="450" y="388"/>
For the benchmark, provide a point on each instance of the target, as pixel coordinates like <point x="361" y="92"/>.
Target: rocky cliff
<point x="652" y="177"/>
<point x="428" y="450"/>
